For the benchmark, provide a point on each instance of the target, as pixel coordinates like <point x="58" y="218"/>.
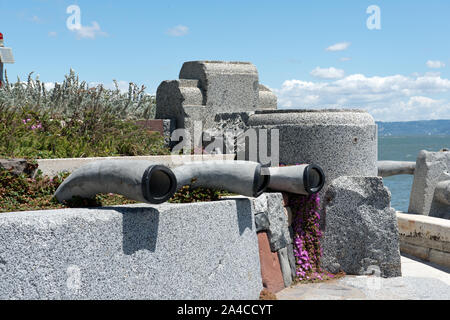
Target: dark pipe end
<point x="159" y="184"/>
<point x="313" y="179"/>
<point x="260" y="182"/>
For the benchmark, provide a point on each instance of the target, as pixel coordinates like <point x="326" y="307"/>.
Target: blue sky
<point x="400" y="72"/>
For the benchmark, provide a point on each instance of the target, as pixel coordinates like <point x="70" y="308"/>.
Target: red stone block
<point x="152" y="125"/>
<point x="270" y="265"/>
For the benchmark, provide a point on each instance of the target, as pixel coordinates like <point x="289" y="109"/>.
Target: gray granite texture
<point x="440" y="206"/>
<point x="361" y="230"/>
<point x="267" y="99"/>
<point x="227" y="86"/>
<point x="208" y="88"/>
<point x="183" y="251"/>
<point x="18" y="166"/>
<point x="262" y="222"/>
<point x="279" y="232"/>
<point x="283" y="257"/>
<point x="343" y="142"/>
<point x="430" y="167"/>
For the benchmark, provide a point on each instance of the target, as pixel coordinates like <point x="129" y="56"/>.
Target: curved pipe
<point x="137" y="180"/>
<point x="393" y="168"/>
<point x="241" y="177"/>
<point x="304" y="179"/>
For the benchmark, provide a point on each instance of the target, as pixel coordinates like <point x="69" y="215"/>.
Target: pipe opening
<point x="314" y="179"/>
<point x="158" y="184"/>
<point x="261" y="182"/>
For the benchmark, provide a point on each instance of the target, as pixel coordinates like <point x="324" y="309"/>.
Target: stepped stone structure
<point x="207" y="88"/>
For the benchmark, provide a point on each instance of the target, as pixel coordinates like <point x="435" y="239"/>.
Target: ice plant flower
<point x="306" y="225"/>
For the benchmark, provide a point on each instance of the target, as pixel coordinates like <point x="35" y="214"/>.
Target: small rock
<point x="19" y="166"/>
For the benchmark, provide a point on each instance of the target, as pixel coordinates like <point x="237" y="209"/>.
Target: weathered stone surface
<point x="283" y="256"/>
<point x="429" y="169"/>
<point x="361" y="229"/>
<point x="262" y="222"/>
<point x="279" y="235"/>
<point x="207" y="89"/>
<point x="343" y="142"/>
<point x="19" y="166"/>
<point x="190" y="251"/>
<point x="267" y="99"/>
<point x="227" y="86"/>
<point x="440" y="206"/>
<point x="261" y="204"/>
<point x="292" y="262"/>
<point x="180" y="101"/>
<point x="272" y="278"/>
<point x="168" y="127"/>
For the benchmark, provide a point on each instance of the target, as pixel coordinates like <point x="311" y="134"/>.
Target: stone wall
<point x="208" y="88"/>
<point x="426" y="238"/>
<point x="183" y="251"/>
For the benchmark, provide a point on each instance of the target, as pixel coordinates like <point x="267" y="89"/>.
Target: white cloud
<point x="345" y="59"/>
<point x="390" y="98"/>
<point x="341" y="46"/>
<point x="435" y="64"/>
<point x="35" y="19"/>
<point x="86" y="32"/>
<point x="178" y="31"/>
<point x="327" y="73"/>
<point x="52" y="34"/>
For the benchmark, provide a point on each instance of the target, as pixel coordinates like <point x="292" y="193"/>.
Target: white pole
<point x="1" y="74"/>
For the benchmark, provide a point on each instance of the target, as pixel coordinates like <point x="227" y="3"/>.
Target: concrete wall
<point x="51" y="167"/>
<point x="183" y="251"/>
<point x="425" y="237"/>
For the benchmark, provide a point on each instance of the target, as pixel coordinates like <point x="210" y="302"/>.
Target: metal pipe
<point x="393" y="168"/>
<point x="241" y="177"/>
<point x="137" y="180"/>
<point x="303" y="179"/>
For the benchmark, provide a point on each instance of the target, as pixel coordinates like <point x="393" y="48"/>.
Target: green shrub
<point x="22" y="193"/>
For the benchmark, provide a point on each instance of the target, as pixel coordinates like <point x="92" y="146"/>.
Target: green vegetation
<point x="69" y="121"/>
<point x="26" y="193"/>
<point x="73" y="120"/>
<point x="188" y="195"/>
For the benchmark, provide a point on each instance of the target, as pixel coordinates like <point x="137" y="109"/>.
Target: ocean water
<point x="406" y="148"/>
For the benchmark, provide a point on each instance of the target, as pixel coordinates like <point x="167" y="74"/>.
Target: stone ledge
<point x="425" y="237"/>
<point x="185" y="251"/>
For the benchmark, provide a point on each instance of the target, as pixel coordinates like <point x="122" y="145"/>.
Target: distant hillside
<point x="414" y="128"/>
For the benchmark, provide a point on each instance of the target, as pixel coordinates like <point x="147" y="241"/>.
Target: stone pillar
<point x="343" y="142"/>
<point x="430" y="167"/>
<point x="208" y="88"/>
